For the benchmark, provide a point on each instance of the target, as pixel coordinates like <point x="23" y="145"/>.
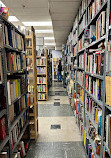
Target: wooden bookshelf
<point x="33" y="94"/>
<point x="41" y="76"/>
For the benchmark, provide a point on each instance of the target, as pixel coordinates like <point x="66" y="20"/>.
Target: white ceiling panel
<point x="57" y="16"/>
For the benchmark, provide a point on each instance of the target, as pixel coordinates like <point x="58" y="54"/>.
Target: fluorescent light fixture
<point x="2" y="4"/>
<point x="43" y="31"/>
<point x="34" y="23"/>
<point x="13" y="19"/>
<point x="49" y="38"/>
<point x="50" y="44"/>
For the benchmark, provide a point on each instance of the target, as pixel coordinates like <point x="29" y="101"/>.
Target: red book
<point x="2" y="128"/>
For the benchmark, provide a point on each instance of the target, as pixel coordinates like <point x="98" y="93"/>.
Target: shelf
<point x="29" y="56"/>
<point x="100" y="103"/>
<point x="28" y="47"/>
<point x="41" y="65"/>
<point x="82" y="32"/>
<point x="41" y="99"/>
<point x="92" y="121"/>
<point x="3" y="112"/>
<point x="41" y="83"/>
<point x="96" y="76"/>
<point x="16" y="71"/>
<point x="19" y="97"/>
<point x="79" y="68"/>
<point x="40" y="57"/>
<point x="40" y="74"/>
<point x="82" y="16"/>
<point x="8" y="22"/>
<point x="96" y="42"/>
<point x="43" y="92"/>
<point x="18" y="118"/>
<point x="108" y="107"/>
<point x="9" y="48"/>
<point x="96" y="16"/>
<point x="93" y="145"/>
<point x="80" y="85"/>
<point x="81" y="50"/>
<point x="74" y="44"/>
<point x="20" y="136"/>
<point x="108" y="150"/>
<point x="3" y="143"/>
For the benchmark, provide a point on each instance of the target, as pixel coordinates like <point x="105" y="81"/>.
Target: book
<point x="2" y="97"/>
<point x="108" y="87"/>
<point x="3" y="131"/>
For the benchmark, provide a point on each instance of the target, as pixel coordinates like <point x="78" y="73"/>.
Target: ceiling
<point x="62" y="13"/>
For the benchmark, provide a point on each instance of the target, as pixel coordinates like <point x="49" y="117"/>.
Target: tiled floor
<point x="63" y="142"/>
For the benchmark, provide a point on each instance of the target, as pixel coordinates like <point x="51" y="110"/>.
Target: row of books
<point x="3" y="130"/>
<point x="30" y="99"/>
<point x="82" y="7"/>
<point x="95" y="63"/>
<point x="75" y="23"/>
<point x="41" y="88"/>
<point x="12" y="38"/>
<point x="2" y="97"/>
<point x="101" y="25"/>
<point x="1" y="70"/>
<point x="28" y="42"/>
<point x="82" y="61"/>
<point x="16" y="108"/>
<point x="15" y="88"/>
<point x="93" y="135"/>
<point x="93" y="8"/>
<point x="28" y="51"/>
<point x="30" y="88"/>
<point x="15" y="61"/>
<point x="95" y="112"/>
<point x="41" y="70"/>
<point x="82" y="25"/>
<point x="29" y="62"/>
<point x="81" y="43"/>
<point x="74" y="39"/>
<point x="108" y="131"/>
<point x="75" y="50"/>
<point x="41" y="61"/>
<point x="80" y="77"/>
<point x="41" y="96"/>
<point x="17" y="129"/>
<point x="94" y="86"/>
<point x="41" y="80"/>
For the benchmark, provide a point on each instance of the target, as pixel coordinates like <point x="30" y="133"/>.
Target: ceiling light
<point x="2" y="4"/>
<point x="43" y="31"/>
<point x="37" y="23"/>
<point x="13" y="19"/>
<point x="50" y="44"/>
<point x="49" y="38"/>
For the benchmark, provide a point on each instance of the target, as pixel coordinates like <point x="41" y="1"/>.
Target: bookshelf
<point x="32" y="83"/>
<point x="42" y="76"/>
<point x="49" y="68"/>
<point x="89" y="43"/>
<point x="14" y="111"/>
<point x="55" y="68"/>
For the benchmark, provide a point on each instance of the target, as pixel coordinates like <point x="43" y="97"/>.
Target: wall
<point x="56" y="54"/>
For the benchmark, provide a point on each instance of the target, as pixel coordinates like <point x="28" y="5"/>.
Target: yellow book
<point x="16" y="87"/>
<point x="96" y="115"/>
<point x="84" y="138"/>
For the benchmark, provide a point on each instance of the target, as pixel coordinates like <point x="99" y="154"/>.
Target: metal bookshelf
<point x="101" y="104"/>
<point x="33" y="76"/>
<point x="10" y="75"/>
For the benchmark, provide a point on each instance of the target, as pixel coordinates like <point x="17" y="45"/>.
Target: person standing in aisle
<point x="59" y="71"/>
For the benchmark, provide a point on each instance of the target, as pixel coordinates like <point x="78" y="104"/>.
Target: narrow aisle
<point x="59" y="136"/>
